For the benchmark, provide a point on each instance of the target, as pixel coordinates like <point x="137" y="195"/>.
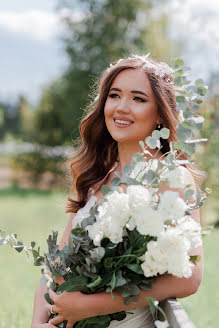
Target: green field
<point x="33" y="215"/>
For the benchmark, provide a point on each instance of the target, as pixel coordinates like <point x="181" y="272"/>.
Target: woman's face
<point x="131" y="112"/>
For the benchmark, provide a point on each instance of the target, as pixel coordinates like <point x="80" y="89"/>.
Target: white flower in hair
<point x="159" y="69"/>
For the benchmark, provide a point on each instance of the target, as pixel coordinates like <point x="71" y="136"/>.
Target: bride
<point x="136" y="96"/>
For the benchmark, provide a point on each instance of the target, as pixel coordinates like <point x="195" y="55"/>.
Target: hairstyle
<point x="96" y="151"/>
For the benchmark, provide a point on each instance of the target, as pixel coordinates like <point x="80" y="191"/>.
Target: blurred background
<point x="51" y="53"/>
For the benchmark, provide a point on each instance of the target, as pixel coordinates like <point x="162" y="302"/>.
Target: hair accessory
<point x="159" y="69"/>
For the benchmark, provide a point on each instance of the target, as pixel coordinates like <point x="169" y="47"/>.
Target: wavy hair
<point x="96" y="150"/>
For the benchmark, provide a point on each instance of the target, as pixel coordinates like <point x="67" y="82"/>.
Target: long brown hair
<point x="97" y="151"/>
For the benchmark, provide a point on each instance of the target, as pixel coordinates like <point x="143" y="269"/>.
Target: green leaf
<point x="164" y="132"/>
<point x="105" y="190"/>
<point x="188" y="194"/>
<point x="73" y="284"/>
<point x="187" y="148"/>
<point x="187" y="125"/>
<point x="177" y="63"/>
<point x="126" y="170"/>
<point x="113" y="281"/>
<point x="130" y="290"/>
<point x="195" y="258"/>
<point x="156" y="134"/>
<point x="120" y="280"/>
<point x="202" y="91"/>
<point x="199" y="83"/>
<point x="181" y="106"/>
<point x="184" y="133"/>
<point x="135" y="268"/>
<point x="152" y="305"/>
<point x="141" y="143"/>
<point x="33" y="244"/>
<point x="48" y="299"/>
<point x="115" y="182"/>
<point x="151" y="142"/>
<point x="19" y="247"/>
<point x="181" y="99"/>
<point x="95" y="283"/>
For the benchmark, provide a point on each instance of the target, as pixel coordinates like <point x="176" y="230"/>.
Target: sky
<point x="32" y="53"/>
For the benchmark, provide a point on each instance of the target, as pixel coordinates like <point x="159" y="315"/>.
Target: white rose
<point x="176" y="177"/>
<point x="171" y="206"/>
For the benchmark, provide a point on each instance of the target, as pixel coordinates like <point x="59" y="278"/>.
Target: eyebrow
<point x="133" y="91"/>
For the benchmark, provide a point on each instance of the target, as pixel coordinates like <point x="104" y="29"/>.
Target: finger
<point x="70" y="324"/>
<point x="51" y="308"/>
<point x="60" y="280"/>
<point x="52" y="295"/>
<point x="56" y="320"/>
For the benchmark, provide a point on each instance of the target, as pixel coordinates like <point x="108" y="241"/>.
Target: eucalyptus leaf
<point x="165" y="133"/>
<point x="199" y="83"/>
<point x="177" y="62"/>
<point x="188" y="194"/>
<point x="151" y="142"/>
<point x="141" y="143"/>
<point x="115" y="182"/>
<point x="105" y="190"/>
<point x="202" y="91"/>
<point x="156" y="134"/>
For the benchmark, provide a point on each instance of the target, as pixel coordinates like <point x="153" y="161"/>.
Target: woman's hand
<point x="69" y="306"/>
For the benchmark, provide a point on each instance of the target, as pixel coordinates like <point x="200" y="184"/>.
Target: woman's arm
<point x="40" y="312"/>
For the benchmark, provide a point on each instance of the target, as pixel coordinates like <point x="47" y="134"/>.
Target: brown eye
<point x="139" y="99"/>
<point x="113" y="95"/>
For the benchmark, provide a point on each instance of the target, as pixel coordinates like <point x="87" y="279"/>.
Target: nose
<point x="123" y="106"/>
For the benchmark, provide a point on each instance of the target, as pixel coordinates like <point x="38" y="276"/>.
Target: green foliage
<point x="64" y="101"/>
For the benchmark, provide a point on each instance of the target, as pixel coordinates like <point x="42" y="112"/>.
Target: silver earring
<point x="158" y="126"/>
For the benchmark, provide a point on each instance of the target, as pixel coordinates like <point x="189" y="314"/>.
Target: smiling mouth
<point x="122" y="123"/>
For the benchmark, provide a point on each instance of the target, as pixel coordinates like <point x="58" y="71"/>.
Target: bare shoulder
<point x="68" y="228"/>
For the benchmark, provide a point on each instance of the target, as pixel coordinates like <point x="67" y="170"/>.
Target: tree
<point x="105" y="31"/>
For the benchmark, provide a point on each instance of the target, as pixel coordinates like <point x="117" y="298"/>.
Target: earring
<point x="158" y="126"/>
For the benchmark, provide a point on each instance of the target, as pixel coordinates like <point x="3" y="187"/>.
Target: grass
<point x="33" y="214"/>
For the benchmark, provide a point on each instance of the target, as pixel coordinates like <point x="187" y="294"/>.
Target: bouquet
<point x="134" y="234"/>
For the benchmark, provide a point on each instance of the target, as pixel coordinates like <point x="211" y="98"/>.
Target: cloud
<point x="35" y="24"/>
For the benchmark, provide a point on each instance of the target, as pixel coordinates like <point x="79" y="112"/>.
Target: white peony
<point x="171" y="206"/>
<point x="176" y="177"/>
<point x="116" y="206"/>
<point x="191" y="230"/>
<point x="155" y="260"/>
<point x="169" y="253"/>
<point x="148" y="221"/>
<point x="176" y="247"/>
<point x="95" y="232"/>
<point x="112" y="217"/>
<point x="139" y="196"/>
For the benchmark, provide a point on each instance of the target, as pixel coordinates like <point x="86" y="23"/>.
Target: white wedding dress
<point x="137" y="318"/>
